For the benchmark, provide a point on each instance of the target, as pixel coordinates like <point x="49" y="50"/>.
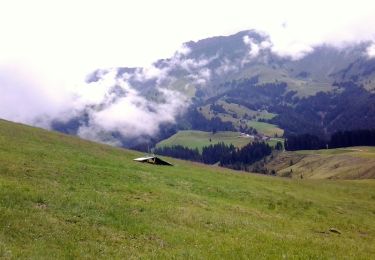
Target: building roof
<point x="152" y="160"/>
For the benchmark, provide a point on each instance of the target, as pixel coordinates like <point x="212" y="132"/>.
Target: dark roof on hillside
<point x="152" y="160"/>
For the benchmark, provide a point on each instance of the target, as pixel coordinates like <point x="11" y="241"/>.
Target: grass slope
<point x="266" y="128"/>
<point x="62" y="197"/>
<point x="342" y="163"/>
<point x="199" y="139"/>
<point x="304" y="87"/>
<point x="243" y="112"/>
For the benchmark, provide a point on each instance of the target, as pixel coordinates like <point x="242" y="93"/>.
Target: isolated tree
<point x="279" y="146"/>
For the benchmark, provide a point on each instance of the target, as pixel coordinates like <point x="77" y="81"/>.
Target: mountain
<point x="64" y="197"/>
<point x="234" y="82"/>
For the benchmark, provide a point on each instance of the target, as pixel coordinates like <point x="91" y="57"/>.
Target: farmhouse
<point x="244" y="135"/>
<point x="153" y="160"/>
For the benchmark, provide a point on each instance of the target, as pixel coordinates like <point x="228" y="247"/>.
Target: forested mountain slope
<point x="231" y="82"/>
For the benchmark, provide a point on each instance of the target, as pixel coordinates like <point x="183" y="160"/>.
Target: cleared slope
<point x="62" y="197"/>
<point x="198" y="139"/>
<point x="342" y="163"/>
<point x="243" y="112"/>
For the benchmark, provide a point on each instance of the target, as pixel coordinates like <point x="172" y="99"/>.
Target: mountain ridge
<point x="219" y="68"/>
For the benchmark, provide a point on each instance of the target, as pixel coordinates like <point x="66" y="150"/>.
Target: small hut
<point x="153" y="160"/>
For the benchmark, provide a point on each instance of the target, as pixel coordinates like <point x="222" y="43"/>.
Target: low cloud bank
<point x="129" y="113"/>
<point x="110" y="105"/>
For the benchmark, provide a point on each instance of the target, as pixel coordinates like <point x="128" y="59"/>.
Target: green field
<point x="303" y="87"/>
<point x="230" y="108"/>
<point x="64" y="198"/>
<point x="264" y="115"/>
<point x="273" y="141"/>
<point x="342" y="163"/>
<point x="266" y="128"/>
<point x="239" y="110"/>
<point x="199" y="139"/>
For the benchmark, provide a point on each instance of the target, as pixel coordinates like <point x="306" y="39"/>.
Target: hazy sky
<point x="84" y="34"/>
<point x="47" y="47"/>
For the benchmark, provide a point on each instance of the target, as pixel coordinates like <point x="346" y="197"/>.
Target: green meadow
<point x="266" y="128"/>
<point x="198" y="139"/>
<point x="240" y="111"/>
<point x="62" y="197"/>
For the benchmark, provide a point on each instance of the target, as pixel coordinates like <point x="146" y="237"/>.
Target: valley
<point x="64" y="197"/>
<point x="187" y="130"/>
<point x="216" y="84"/>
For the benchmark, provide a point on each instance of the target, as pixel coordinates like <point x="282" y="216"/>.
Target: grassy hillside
<point x="343" y="163"/>
<point x="199" y="139"/>
<point x="241" y="113"/>
<point x="304" y="87"/>
<point x="62" y="197"/>
<point x="266" y="128"/>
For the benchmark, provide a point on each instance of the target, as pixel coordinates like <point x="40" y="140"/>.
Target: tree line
<point x="179" y="152"/>
<point x="350" y="108"/>
<point x="361" y="137"/>
<point x="225" y="155"/>
<point x="240" y="159"/>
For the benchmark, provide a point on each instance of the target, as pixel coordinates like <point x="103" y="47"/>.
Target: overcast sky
<point x="47" y="46"/>
<point x="86" y="34"/>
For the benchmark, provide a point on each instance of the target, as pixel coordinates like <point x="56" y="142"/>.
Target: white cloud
<point x="371" y="51"/>
<point x="311" y="23"/>
<point x="254" y="48"/>
<point x="205" y="73"/>
<point x="191" y="64"/>
<point x="225" y="67"/>
<point x="202" y="76"/>
<point x="182" y="51"/>
<point x="95" y="92"/>
<point x="151" y="72"/>
<point x="24" y="98"/>
<point x="131" y="115"/>
<point x="136" y="33"/>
